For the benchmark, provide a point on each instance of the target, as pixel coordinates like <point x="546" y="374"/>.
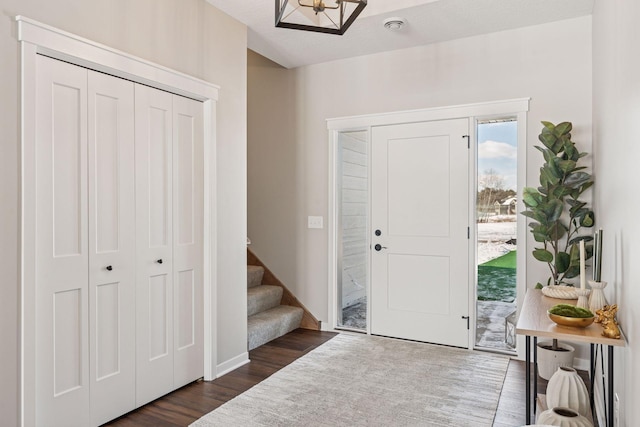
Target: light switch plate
<point x="314" y="222"/>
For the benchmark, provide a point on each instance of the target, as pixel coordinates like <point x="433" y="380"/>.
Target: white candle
<point x="582" y="275"/>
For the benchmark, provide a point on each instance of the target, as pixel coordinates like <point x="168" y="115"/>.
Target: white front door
<point x="419" y="225"/>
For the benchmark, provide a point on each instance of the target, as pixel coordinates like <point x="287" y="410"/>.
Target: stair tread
<point x="281" y="309"/>
<point x="263" y="297"/>
<point x="270" y="324"/>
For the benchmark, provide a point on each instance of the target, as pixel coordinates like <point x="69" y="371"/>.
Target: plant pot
<point x="563" y="417"/>
<point x="566" y="389"/>
<point x="550" y="360"/>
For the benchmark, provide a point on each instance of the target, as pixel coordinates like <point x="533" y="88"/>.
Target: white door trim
<point x="40" y="39"/>
<point x="513" y="107"/>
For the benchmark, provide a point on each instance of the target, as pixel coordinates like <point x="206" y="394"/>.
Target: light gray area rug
<point x="359" y="380"/>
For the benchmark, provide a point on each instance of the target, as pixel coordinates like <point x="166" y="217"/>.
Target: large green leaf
<point x="587" y="220"/>
<point x="561" y="191"/>
<point x="577" y="179"/>
<point x="547" y="126"/>
<point x="567" y="165"/>
<point x="563" y="260"/>
<point x="540" y="232"/>
<point x="553" y="209"/>
<point x="585" y="186"/>
<point x="570" y="151"/>
<point x="573" y="271"/>
<point x="546" y="153"/>
<point x="557" y="231"/>
<point x="531" y="197"/>
<point x="576" y="204"/>
<point x="543" y="255"/>
<point x="563" y="128"/>
<point x="549" y="175"/>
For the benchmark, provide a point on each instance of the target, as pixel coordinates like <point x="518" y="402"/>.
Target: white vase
<point x="550" y="360"/>
<point x="583" y="298"/>
<point x="597" y="299"/>
<point x="566" y="389"/>
<point x="563" y="417"/>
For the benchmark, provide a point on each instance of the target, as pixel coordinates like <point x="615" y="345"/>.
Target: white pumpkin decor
<point x="563" y="417"/>
<point x="566" y="389"/>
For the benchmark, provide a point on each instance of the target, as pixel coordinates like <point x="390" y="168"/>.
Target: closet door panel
<point x="62" y="359"/>
<point x="154" y="247"/>
<point x="188" y="184"/>
<point x="112" y="246"/>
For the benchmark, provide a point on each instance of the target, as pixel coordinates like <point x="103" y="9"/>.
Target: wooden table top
<point x="534" y="321"/>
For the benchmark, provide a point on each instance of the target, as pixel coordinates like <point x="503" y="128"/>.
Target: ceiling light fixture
<point x="317" y="16"/>
<point x="394" y="24"/>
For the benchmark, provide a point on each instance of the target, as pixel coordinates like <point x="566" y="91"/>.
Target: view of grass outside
<point x="497" y="230"/>
<point x="496" y="279"/>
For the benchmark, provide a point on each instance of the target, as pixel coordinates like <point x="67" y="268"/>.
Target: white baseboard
<point x="232" y="364"/>
<point x="326" y="327"/>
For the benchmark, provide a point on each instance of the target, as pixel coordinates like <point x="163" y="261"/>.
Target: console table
<point x="534" y="322"/>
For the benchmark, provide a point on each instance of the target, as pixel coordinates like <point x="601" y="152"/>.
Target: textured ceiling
<point x="428" y="21"/>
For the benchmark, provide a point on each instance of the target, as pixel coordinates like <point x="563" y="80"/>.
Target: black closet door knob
<point x="159" y="261"/>
<point x="109" y="268"/>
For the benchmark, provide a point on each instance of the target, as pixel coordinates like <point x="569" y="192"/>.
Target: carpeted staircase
<point x="267" y="318"/>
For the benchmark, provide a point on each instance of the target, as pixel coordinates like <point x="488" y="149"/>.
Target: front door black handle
<point x="378" y="247"/>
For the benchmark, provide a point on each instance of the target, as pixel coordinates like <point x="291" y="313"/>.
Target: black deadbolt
<point x="378" y="232"/>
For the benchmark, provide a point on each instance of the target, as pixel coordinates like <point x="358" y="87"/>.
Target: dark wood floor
<point x="189" y="403"/>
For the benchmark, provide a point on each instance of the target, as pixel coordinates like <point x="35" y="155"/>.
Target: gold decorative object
<point x="607" y="317"/>
<point x="574" y="322"/>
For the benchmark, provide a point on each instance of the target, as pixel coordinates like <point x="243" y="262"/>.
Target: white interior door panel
<point x="419" y="263"/>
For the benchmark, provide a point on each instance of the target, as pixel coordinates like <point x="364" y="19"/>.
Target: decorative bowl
<point x="560" y="291"/>
<point x="574" y="322"/>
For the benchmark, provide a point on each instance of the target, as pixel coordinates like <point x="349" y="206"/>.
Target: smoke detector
<point x="395" y="23"/>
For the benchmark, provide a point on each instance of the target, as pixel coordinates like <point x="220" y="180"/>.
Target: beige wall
<point x="616" y="127"/>
<point x="272" y="177"/>
<point x="186" y="35"/>
<point x="550" y="63"/>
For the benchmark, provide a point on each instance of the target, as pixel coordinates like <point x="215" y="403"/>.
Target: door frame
<point x="474" y="112"/>
<point x="40" y="39"/>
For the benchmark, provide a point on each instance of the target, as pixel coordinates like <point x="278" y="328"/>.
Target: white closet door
<point x="188" y="182"/>
<point x="154" y="244"/>
<point x="111" y="246"/>
<point x="62" y="359"/>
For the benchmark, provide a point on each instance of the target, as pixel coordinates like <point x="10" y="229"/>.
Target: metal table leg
<point x="528" y="379"/>
<point x="610" y="387"/>
<point x="592" y="377"/>
<point x="535" y="377"/>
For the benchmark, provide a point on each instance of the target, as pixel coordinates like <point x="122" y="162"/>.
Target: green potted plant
<point x="555" y="207"/>
<point x="557" y="216"/>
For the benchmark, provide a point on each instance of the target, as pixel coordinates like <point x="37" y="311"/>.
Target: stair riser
<point x="262" y="298"/>
<point x="254" y="275"/>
